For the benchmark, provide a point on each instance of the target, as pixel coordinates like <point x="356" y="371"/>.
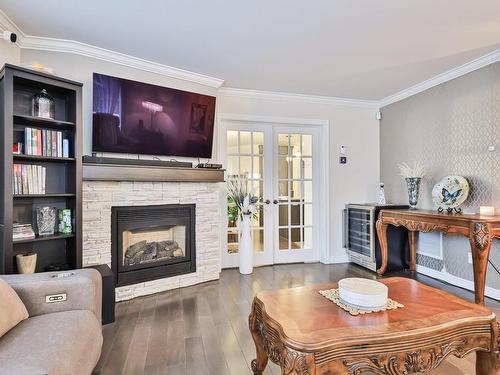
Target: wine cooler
<point x="361" y="240"/>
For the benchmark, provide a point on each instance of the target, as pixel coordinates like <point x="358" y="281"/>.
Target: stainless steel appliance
<point x="361" y="240"/>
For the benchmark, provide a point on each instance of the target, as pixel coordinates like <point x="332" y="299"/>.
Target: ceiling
<point x="359" y="49"/>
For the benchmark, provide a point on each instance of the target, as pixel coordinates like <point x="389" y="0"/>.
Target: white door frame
<point x="323" y="166"/>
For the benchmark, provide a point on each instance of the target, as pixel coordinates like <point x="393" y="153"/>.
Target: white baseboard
<point x="457" y="281"/>
<point x="337" y="259"/>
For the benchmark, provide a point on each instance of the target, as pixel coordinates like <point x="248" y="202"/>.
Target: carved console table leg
<point x="259" y="364"/>
<point x="480" y="242"/>
<point x="413" y="250"/>
<point x="382" y="237"/>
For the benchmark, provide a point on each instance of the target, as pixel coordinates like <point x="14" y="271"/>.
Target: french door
<point x="280" y="165"/>
<point x="295" y="191"/>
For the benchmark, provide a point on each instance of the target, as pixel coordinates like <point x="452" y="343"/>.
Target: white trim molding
<point x="459" y="71"/>
<point x="301" y="98"/>
<point x="335" y="259"/>
<point x="87" y="50"/>
<point x="457" y="281"/>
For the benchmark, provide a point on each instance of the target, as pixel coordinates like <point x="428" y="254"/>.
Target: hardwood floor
<point x="203" y="329"/>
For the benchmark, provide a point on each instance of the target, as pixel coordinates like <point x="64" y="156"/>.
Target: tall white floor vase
<point x="246" y="246"/>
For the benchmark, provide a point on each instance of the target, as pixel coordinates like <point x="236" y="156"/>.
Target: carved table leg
<point x="260" y="363"/>
<point x="480" y="242"/>
<point x="413" y="250"/>
<point x="487" y="364"/>
<point x="382" y="237"/>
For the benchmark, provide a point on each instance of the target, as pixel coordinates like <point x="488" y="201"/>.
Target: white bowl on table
<point x="363" y="294"/>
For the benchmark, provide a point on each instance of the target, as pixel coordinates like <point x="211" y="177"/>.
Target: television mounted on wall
<point x="139" y="118"/>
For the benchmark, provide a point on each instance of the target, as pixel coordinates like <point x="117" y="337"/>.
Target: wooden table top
<point x="308" y="320"/>
<point x="442" y="215"/>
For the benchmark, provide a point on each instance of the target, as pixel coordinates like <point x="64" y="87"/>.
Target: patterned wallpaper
<point x="448" y="128"/>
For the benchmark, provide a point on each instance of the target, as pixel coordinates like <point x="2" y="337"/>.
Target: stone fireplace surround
<point x="100" y="196"/>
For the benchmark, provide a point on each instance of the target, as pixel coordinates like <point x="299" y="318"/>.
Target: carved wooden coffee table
<point x="304" y="333"/>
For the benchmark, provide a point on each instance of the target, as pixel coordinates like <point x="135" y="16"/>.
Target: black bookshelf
<point x="63" y="175"/>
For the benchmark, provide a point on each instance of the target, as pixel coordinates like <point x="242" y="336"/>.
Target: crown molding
<point x="83" y="49"/>
<point x="302" y="98"/>
<point x="459" y="71"/>
<point x="87" y="50"/>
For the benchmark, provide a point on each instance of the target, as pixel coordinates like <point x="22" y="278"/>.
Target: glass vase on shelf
<point x="64" y="216"/>
<point x="43" y="105"/>
<point x="46" y="220"/>
<point x="413" y="186"/>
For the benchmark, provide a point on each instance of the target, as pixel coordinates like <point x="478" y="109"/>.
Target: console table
<point x="479" y="229"/>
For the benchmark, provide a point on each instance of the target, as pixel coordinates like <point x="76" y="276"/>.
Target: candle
<point x="487" y="210"/>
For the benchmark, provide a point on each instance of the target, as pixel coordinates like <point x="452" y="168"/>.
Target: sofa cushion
<point x="58" y="343"/>
<point x="12" y="309"/>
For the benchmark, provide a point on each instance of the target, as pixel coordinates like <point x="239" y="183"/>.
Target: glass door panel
<point x="245" y="158"/>
<point x="295" y="196"/>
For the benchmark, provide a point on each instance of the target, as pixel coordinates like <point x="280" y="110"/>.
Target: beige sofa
<point x="60" y="337"/>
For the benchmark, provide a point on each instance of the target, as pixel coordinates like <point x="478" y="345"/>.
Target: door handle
<point x="267" y="201"/>
<point x="275" y="201"/>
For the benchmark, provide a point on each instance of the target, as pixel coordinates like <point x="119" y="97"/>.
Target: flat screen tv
<point x="138" y="118"/>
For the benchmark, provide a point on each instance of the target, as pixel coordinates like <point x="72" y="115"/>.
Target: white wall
<point x="9" y="53"/>
<point x="80" y="68"/>
<point x="353" y="126"/>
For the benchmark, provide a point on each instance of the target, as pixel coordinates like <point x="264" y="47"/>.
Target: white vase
<point x="246" y="246"/>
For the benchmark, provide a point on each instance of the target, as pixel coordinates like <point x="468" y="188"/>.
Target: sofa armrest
<point x="82" y="287"/>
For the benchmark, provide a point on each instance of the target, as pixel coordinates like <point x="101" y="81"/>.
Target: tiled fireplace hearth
<point x="151" y="245"/>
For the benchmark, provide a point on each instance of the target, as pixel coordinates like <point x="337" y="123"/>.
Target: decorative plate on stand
<point x="450" y="192"/>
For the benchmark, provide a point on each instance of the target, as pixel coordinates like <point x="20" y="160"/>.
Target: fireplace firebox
<point x="152" y="242"/>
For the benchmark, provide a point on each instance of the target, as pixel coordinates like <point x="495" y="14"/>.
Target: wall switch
<point x="491" y="148"/>
<point x="469" y="258"/>
<point x="343" y="160"/>
<point x="55" y="298"/>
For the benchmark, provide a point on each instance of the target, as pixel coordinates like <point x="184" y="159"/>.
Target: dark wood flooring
<point x="203" y="329"/>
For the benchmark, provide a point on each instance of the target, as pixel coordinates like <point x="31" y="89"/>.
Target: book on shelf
<point x="44" y="142"/>
<point x="28" y="179"/>
<point x="22" y="231"/>
<point x="59" y="145"/>
<point x="65" y="148"/>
